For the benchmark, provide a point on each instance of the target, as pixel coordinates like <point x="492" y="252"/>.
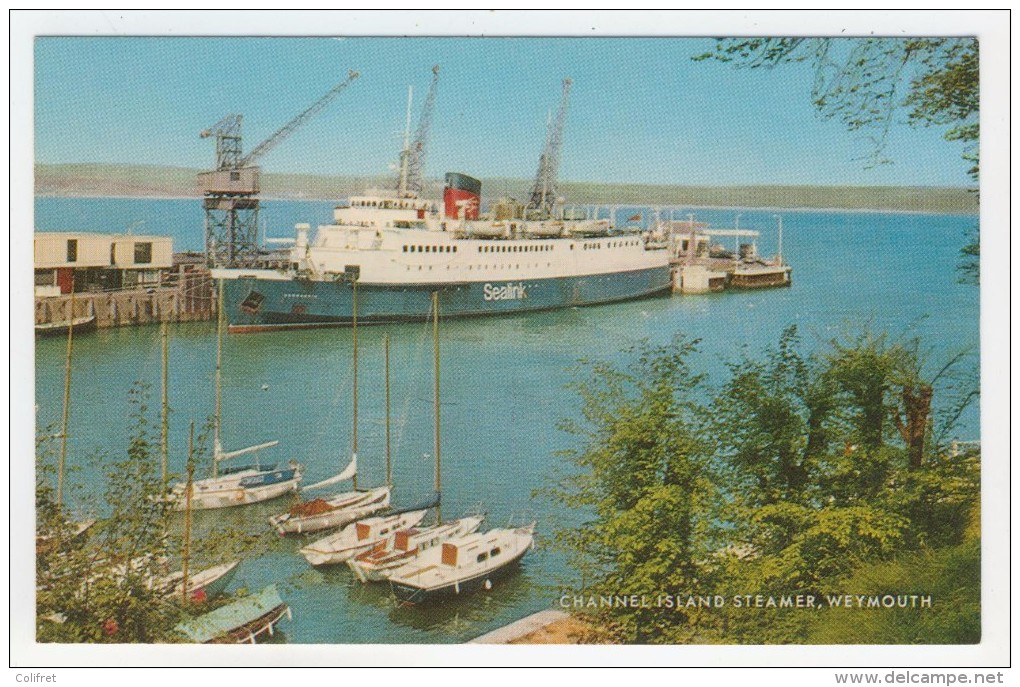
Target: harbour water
<point x="504" y="388"/>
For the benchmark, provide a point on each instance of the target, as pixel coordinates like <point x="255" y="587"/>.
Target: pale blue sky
<point x="641" y="111"/>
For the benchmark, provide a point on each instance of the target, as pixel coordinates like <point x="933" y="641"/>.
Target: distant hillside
<point x="160" y="182"/>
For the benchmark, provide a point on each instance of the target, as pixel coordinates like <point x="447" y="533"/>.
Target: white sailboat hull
<point x="379" y="569"/>
<point x="346" y="510"/>
<point x="228" y="493"/>
<point x="339" y="547"/>
<point x="209" y="583"/>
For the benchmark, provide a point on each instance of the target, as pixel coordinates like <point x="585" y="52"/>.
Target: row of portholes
<point x="484" y="267"/>
<point x="430" y="249"/>
<point x="516" y="248"/>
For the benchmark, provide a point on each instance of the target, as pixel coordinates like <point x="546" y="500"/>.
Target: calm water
<point x="503" y="387"/>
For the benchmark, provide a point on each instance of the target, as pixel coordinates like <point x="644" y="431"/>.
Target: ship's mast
<point x="217" y="446"/>
<point x="412" y="159"/>
<point x="435" y="346"/>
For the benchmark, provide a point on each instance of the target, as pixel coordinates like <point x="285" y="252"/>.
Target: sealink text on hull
<point x="392" y="252"/>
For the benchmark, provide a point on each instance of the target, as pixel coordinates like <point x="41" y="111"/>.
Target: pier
<point x="698" y="266"/>
<point x="183" y="294"/>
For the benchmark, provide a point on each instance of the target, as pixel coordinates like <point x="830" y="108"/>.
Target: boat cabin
<point x="365" y="530"/>
<point x="472" y="551"/>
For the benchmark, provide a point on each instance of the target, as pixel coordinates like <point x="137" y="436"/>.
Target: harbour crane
<point x="543" y="193"/>
<point x="412" y="159"/>
<point x="231" y="191"/>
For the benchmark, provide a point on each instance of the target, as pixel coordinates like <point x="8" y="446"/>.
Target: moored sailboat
<point x="462" y="565"/>
<point x="379" y="562"/>
<point x="344" y="508"/>
<point x="240" y="485"/>
<point x="464" y="561"/>
<point x="361" y="536"/>
<point x="202" y="585"/>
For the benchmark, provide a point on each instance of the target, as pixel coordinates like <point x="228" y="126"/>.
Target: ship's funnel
<point x="462" y="196"/>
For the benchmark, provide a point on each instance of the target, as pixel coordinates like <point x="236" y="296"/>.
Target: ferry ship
<point x="391" y="252"/>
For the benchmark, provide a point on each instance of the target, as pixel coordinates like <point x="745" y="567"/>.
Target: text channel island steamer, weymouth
<point x="392" y="250"/>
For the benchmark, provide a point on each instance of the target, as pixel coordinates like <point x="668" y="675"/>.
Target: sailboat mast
<point x="219" y="373"/>
<point x="386" y="355"/>
<point x="67" y="400"/>
<point x="186" y="553"/>
<point x="435" y="346"/>
<point x="165" y="405"/>
<point x="354" y="395"/>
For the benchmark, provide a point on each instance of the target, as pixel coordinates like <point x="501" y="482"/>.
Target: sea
<point x="506" y="389"/>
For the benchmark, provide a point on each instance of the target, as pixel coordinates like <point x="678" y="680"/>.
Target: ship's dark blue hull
<point x="412" y="596"/>
<point x="266" y="304"/>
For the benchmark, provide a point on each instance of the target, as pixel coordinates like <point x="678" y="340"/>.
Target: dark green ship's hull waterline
<point x="254" y="305"/>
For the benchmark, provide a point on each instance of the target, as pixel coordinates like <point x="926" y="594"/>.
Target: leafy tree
<point x="867" y="82"/>
<point x="644" y="477"/>
<point x="790" y="481"/>
<point x="773" y="420"/>
<point x="100" y="590"/>
<point x="100" y="586"/>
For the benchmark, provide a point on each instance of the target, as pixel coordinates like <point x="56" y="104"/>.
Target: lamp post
<point x="780" y="250"/>
<point x="736" y="240"/>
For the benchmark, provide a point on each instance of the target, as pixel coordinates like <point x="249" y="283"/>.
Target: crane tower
<point x="543" y="193"/>
<point x="231" y="191"/>
<point x="412" y="159"/>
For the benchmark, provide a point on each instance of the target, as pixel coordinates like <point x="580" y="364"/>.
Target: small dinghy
<point x="242" y="622"/>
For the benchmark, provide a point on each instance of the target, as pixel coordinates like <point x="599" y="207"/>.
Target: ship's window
<point x="495" y="552"/>
<point x="428" y="249"/>
<point x="479" y="249"/>
<point x="405" y="249"/>
<point x="455" y="249"/>
<point x="482" y="556"/>
<point x="72" y="250"/>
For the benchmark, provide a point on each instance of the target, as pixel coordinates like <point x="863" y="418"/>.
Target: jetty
<point x="700" y="265"/>
<point x="113" y="280"/>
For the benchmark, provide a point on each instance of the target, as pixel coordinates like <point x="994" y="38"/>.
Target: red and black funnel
<point x="462" y="196"/>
